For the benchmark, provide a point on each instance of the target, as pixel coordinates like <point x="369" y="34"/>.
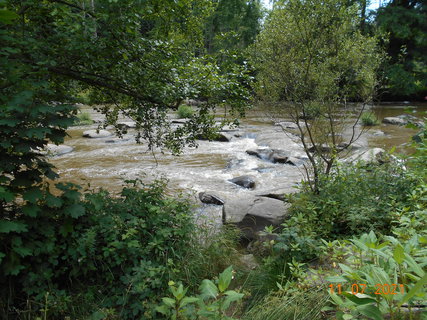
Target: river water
<point x="95" y="163"/>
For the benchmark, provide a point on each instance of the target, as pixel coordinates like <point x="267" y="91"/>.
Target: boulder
<point x="57" y="150"/>
<point x="395" y="121"/>
<point x="244" y="181"/>
<point x="221" y="137"/>
<point x="96" y="134"/>
<point x="253" y="214"/>
<point x="210" y="198"/>
<point x="278" y="193"/>
<point x="370" y="155"/>
<point x="272" y="155"/>
<point x="126" y="124"/>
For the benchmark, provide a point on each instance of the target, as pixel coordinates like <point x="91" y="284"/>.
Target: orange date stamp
<point x="356" y="288"/>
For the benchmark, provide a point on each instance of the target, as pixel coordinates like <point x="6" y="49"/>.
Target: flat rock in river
<point x="253" y="214"/>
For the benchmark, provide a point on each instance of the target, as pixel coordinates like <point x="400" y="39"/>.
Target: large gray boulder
<point x="253" y="214"/>
<point x="244" y="181"/>
<point x="93" y="134"/>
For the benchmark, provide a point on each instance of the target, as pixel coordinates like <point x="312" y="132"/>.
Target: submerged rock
<point x="210" y="198"/>
<point x="253" y="214"/>
<point x="96" y="134"/>
<point x="244" y="181"/>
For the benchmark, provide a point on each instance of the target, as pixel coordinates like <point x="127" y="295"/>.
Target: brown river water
<point x="97" y="164"/>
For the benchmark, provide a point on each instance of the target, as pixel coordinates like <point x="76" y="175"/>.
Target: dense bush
<point x="102" y="254"/>
<point x="185" y="111"/>
<point x="369" y="119"/>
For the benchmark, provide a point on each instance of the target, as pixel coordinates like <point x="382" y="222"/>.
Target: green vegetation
<point x="185" y="111"/>
<point x="83" y="118"/>
<point x="139" y="254"/>
<point x="312" y="59"/>
<point x="405" y="23"/>
<point x="369" y="119"/>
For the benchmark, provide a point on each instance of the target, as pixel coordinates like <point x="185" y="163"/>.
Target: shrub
<point x="369" y="119"/>
<point x="185" y="111"/>
<point x="102" y="254"/>
<point x="83" y="118"/>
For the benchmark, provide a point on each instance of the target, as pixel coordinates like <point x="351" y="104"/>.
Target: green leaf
<point x="359" y="300"/>
<point x="188" y="300"/>
<point x="414" y="290"/>
<point x="399" y="254"/>
<point x="208" y="289"/>
<point x="225" y="279"/>
<point x="75" y="210"/>
<point x="12" y="226"/>
<point x="33" y="195"/>
<point x="371" y="311"/>
<point x="53" y="202"/>
<point x="232" y="296"/>
<point x="6" y="196"/>
<point x="31" y="210"/>
<point x="169" y="302"/>
<point x="7" y="16"/>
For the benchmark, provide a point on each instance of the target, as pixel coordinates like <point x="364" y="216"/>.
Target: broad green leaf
<point x="225" y="279"/>
<point x="187" y="300"/>
<point x="414" y="290"/>
<point x="53" y="202"/>
<point x="231" y="296"/>
<point x="31" y="210"/>
<point x="399" y="254"/>
<point x="371" y="311"/>
<point x="169" y="302"/>
<point x="359" y="300"/>
<point x="75" y="210"/>
<point x="12" y="226"/>
<point x="33" y="195"/>
<point x="208" y="289"/>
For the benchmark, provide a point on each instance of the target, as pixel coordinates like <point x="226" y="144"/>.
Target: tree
<point x="405" y="22"/>
<point x="234" y="24"/>
<point x="138" y="58"/>
<point x="312" y="60"/>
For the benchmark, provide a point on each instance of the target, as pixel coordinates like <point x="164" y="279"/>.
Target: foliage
<point x="83" y="118"/>
<point x="369" y="119"/>
<point x="406" y="70"/>
<point x="184" y="111"/>
<point x="211" y="251"/>
<point x="352" y="200"/>
<point x="136" y="58"/>
<point x="382" y="275"/>
<point x="113" y="253"/>
<point x="286" y="304"/>
<point x="311" y="60"/>
<point x="233" y="25"/>
<point x="212" y="303"/>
